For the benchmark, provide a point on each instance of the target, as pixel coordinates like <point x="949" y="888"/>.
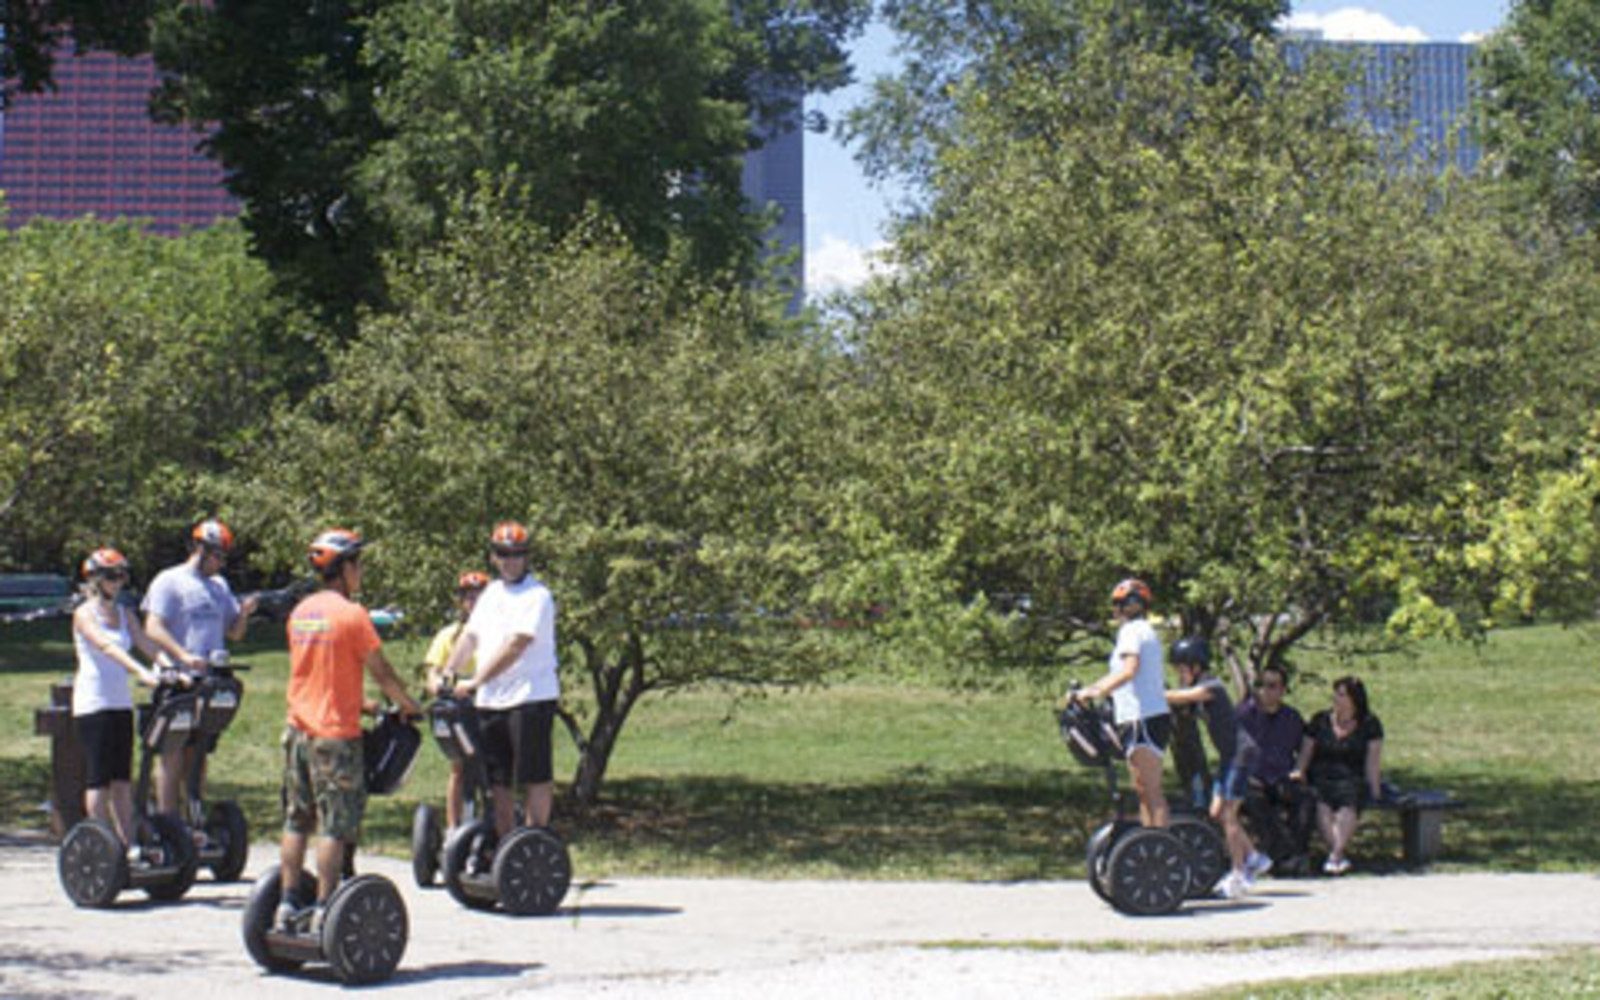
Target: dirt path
<point x="639" y="937"/>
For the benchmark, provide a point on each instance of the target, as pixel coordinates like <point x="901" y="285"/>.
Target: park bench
<point x="1421" y="820"/>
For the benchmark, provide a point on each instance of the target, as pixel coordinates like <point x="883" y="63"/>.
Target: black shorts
<point x="1154" y="732"/>
<point x="107" y="741"/>
<point x="516" y="744"/>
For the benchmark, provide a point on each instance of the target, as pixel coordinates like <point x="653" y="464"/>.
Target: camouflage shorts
<point x="323" y="780"/>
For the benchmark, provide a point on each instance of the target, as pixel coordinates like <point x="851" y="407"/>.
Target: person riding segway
<point x="523" y="869"/>
<point x="119" y="845"/>
<point x="1146" y="867"/>
<point x="465" y="783"/>
<point x="359" y="927"/>
<point x="191" y="613"/>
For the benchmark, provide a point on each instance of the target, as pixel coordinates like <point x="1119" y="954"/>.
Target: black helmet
<point x="1193" y="650"/>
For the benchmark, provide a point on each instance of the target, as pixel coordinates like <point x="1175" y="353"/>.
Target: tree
<point x="130" y="366"/>
<point x="1206" y="334"/>
<point x="913" y="115"/>
<point x="353" y="129"/>
<point x="34" y="33"/>
<point x="661" y="448"/>
<point x="1539" y="96"/>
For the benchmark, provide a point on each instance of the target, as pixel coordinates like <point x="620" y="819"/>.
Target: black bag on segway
<point x="390" y="748"/>
<point x="1090" y="734"/>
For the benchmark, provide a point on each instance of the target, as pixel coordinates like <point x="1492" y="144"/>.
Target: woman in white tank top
<point x="103" y="633"/>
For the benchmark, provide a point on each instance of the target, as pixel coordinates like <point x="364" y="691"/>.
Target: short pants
<point x="107" y="740"/>
<point x="516" y="744"/>
<point x="324" y="785"/>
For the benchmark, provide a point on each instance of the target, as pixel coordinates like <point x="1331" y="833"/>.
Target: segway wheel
<point x="226" y="825"/>
<point x="92" y="864"/>
<point x="171" y="838"/>
<point x="469" y="850"/>
<point x="1208" y="853"/>
<point x="426" y="839"/>
<point x="365" y="931"/>
<point x="1096" y="859"/>
<point x="259" y="913"/>
<point x="1148" y="873"/>
<point x="532" y="871"/>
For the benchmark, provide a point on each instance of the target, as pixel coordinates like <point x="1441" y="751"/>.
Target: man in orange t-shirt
<point x="332" y="646"/>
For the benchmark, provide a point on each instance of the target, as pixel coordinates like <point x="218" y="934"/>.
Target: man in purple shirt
<point x="1280" y="812"/>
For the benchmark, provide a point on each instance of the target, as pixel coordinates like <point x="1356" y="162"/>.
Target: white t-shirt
<point x="101" y="683"/>
<point x="197" y="610"/>
<point x="505" y="610"/>
<point x="1145" y="696"/>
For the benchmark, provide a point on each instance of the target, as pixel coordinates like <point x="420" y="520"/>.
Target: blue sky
<point x="845" y="214"/>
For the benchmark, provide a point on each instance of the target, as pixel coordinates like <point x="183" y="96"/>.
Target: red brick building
<point x="90" y="147"/>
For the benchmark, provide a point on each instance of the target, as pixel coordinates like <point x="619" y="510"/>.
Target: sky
<point x="845" y="213"/>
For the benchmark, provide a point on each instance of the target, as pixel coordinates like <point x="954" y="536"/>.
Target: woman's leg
<point x="1239" y="846"/>
<point x="1145" y="766"/>
<point x="1344" y="830"/>
<point x="122" y="809"/>
<point x="1325" y="827"/>
<point x="453" y="805"/>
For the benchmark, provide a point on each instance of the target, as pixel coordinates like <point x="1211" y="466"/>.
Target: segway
<point x="365" y="926"/>
<point x="527" y="873"/>
<point x="1140" y="871"/>
<point x="225" y="846"/>
<point x="454" y="724"/>
<point x="93" y="865"/>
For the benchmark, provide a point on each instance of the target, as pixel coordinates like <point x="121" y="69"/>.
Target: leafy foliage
<point x="34" y="34"/>
<point x="1539" y="82"/>
<point x="915" y="115"/>
<point x="662" y="450"/>
<point x="1156" y="321"/>
<point x="350" y="129"/>
<point x="129" y="365"/>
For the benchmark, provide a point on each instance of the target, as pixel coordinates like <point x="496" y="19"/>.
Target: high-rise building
<point x="774" y="175"/>
<point x="89" y="147"/>
<point x="1423" y="87"/>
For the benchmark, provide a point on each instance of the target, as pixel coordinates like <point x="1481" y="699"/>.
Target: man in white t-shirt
<point x="512" y="631"/>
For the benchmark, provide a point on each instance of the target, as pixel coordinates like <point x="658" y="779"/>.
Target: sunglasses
<point x="117" y="576"/>
<point x="511" y="553"/>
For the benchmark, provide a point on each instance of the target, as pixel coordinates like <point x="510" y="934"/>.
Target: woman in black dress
<point x="1343" y="749"/>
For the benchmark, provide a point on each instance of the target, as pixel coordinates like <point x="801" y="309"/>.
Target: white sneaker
<point x="1256" y="865"/>
<point x="1231" y="887"/>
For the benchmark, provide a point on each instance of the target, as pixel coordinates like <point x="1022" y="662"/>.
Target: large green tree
<point x="666" y="448"/>
<point x="913" y="115"/>
<point x="1209" y="335"/>
<point x="352" y="128"/>
<point x="131" y="366"/>
<point x="1538" y="78"/>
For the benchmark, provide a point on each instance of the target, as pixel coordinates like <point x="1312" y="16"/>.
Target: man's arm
<point x="241" y="622"/>
<point x="503" y="658"/>
<point x="157" y="630"/>
<point x="388" y="682"/>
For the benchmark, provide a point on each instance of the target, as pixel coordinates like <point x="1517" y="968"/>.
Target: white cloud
<point x="1355" y="24"/>
<point x="1473" y="37"/>
<point x="837" y="265"/>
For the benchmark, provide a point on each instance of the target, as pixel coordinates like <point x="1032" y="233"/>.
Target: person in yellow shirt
<point x="468" y="587"/>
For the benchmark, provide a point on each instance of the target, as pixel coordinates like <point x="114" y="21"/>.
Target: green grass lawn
<point x="880" y="779"/>
<point x="1572" y="975"/>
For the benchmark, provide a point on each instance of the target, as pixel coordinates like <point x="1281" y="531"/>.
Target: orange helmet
<point x="105" y="561"/>
<point x="213" y="534"/>
<point x="509" y="538"/>
<point x="472" y="581"/>
<point x="1131" y="590"/>
<point x="332" y="547"/>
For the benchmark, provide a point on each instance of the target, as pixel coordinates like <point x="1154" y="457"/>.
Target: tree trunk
<point x="617" y="688"/>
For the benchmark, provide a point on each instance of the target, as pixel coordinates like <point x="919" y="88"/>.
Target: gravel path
<point x="652" y="937"/>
